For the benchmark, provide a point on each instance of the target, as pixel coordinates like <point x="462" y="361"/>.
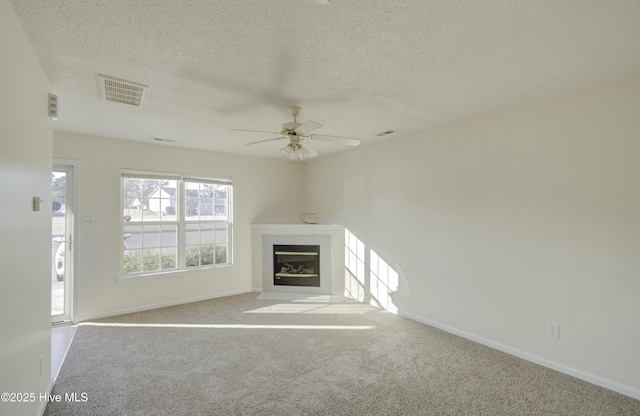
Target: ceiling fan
<point x="299" y="135"/>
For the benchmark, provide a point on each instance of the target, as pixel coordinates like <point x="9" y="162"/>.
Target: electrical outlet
<point x="185" y="280"/>
<point x="553" y="329"/>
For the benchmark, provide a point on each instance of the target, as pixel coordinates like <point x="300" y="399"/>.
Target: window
<point x="174" y="222"/>
<point x="207" y="222"/>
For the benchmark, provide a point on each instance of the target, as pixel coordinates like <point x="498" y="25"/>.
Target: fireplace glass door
<point x="296" y="265"/>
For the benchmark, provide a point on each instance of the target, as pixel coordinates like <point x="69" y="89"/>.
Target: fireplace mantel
<point x="329" y="234"/>
<point x="297" y="224"/>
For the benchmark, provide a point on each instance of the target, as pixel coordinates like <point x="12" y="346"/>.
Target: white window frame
<point x="227" y="223"/>
<point x="180" y="222"/>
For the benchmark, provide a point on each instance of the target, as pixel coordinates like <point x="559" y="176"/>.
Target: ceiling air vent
<point x="121" y="91"/>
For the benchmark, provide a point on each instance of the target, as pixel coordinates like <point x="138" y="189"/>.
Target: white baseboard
<point x="43" y="403"/>
<point x="582" y="375"/>
<point x="162" y="305"/>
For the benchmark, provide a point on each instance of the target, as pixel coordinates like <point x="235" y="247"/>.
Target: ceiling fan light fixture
<point x="297" y="133"/>
<point x="285" y="152"/>
<point x="295" y="153"/>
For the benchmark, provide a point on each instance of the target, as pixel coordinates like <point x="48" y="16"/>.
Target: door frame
<point x="71" y="257"/>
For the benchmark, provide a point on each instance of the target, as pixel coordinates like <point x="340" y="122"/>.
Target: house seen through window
<point x="174" y="222"/>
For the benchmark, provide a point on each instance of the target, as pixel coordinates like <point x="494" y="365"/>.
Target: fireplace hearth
<point x="296" y="265"/>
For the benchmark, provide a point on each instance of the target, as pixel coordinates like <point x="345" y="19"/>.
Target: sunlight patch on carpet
<point x="223" y="326"/>
<point x="294" y="297"/>
<point x="314" y="308"/>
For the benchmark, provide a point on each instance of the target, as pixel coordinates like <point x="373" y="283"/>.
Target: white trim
<point x="77" y="246"/>
<point x="204" y="179"/>
<point x="162" y="305"/>
<point x="574" y="372"/>
<point x="180" y="222"/>
<point x="127" y="278"/>
<point x="43" y="403"/>
<point x="297" y="224"/>
<point x="150" y="174"/>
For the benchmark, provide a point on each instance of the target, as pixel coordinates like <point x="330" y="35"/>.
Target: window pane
<point x="132" y="237"/>
<point x="221" y="254"/>
<point x="149" y="247"/>
<point x="149" y="199"/>
<point x="206" y="233"/>
<point x="167" y="200"/>
<point x="221" y="233"/>
<point x="150" y="260"/>
<point x="199" y="201"/>
<point x="153" y="213"/>
<point x="204" y="246"/>
<point x="151" y="236"/>
<point x="192" y="234"/>
<point x="221" y="202"/>
<point x="132" y="261"/>
<point x="191" y="205"/>
<point x="206" y="254"/>
<point x="193" y="256"/>
<point x="168" y="260"/>
<point x="205" y="201"/>
<point x="200" y="233"/>
<point x="168" y="236"/>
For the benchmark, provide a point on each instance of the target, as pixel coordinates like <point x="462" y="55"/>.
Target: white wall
<point x="25" y="246"/>
<point x="499" y="224"/>
<point x="262" y="188"/>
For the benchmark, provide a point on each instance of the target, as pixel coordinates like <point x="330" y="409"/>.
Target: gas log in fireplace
<point x="296" y="265"/>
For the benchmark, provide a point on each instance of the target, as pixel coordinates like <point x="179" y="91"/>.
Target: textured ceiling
<point x="359" y="67"/>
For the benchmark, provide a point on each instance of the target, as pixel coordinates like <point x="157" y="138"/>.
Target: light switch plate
<point x="38" y="203"/>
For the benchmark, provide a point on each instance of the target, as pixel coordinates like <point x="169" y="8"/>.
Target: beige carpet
<point x="241" y="355"/>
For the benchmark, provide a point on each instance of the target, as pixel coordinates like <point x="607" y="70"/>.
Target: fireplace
<point x="266" y="236"/>
<point x="296" y="265"/>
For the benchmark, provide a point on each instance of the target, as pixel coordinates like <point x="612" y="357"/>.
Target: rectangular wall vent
<point x="120" y="91"/>
<point x="53" y="106"/>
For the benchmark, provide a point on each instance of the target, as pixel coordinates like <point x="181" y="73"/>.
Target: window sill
<point x="168" y="273"/>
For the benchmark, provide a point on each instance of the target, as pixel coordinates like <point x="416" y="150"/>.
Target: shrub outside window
<point x="174" y="222"/>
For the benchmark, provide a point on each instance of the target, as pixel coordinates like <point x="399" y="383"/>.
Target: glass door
<point x="62" y="246"/>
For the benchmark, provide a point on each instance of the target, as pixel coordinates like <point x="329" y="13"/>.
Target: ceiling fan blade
<point x="267" y="140"/>
<point x="335" y="139"/>
<point x="307" y="127"/>
<point x="311" y="152"/>
<point x="257" y="131"/>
